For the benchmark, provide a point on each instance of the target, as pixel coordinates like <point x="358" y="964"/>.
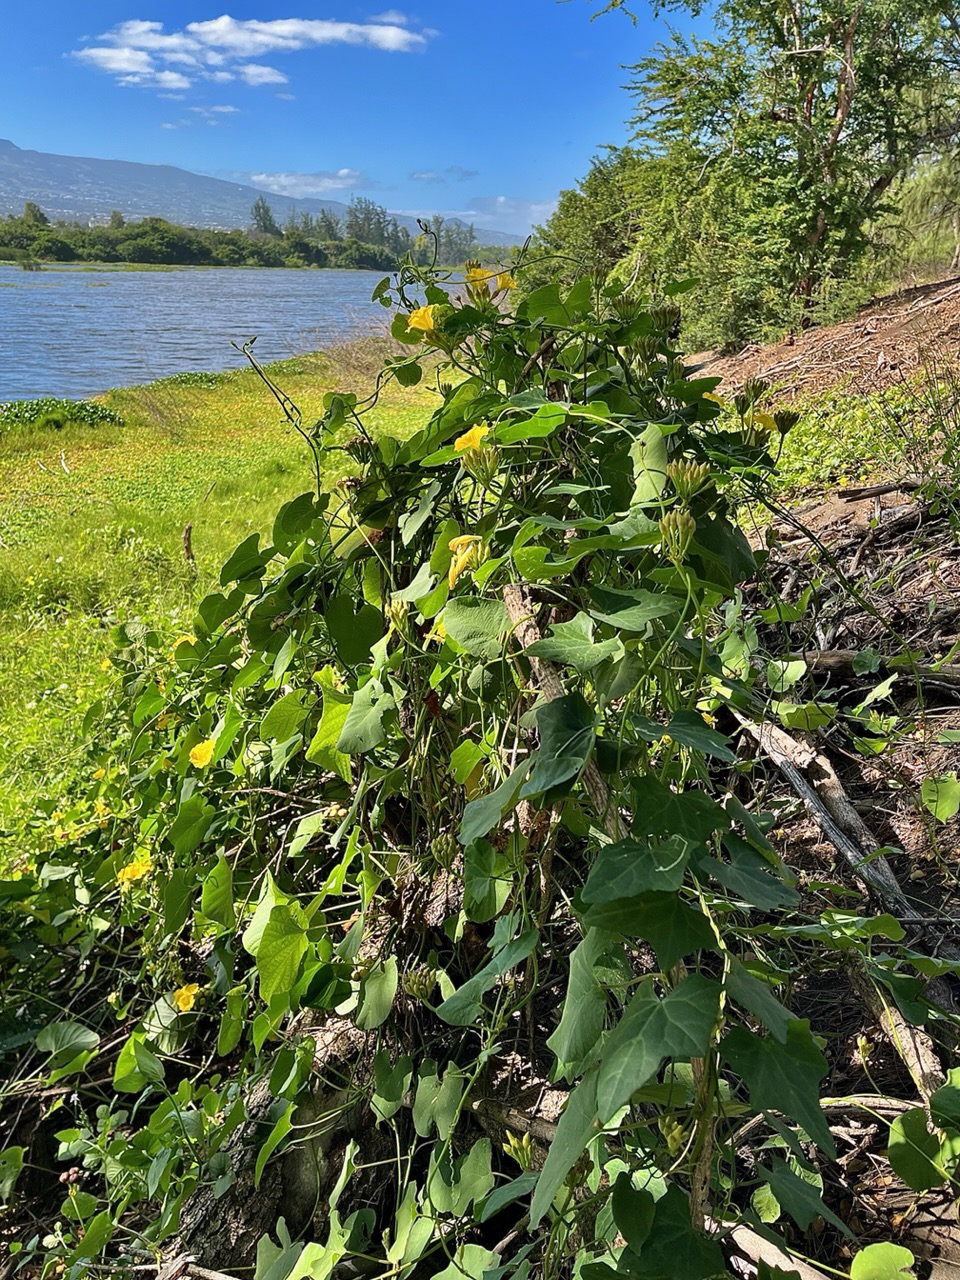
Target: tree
<point x="262" y="219"/>
<point x="931" y="200"/>
<point x="328" y="225"/>
<point x="366" y="221"/>
<point x="594" y="224"/>
<point x="808" y="112"/>
<point x="117" y="221"/>
<point x="33" y="214"/>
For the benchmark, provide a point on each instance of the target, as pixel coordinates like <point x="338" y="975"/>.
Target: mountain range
<point x="83" y="189"/>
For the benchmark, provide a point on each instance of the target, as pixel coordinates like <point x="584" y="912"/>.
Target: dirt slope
<point x="886" y="343"/>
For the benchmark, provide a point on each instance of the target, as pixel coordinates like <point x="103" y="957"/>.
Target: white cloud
<point x="166" y="80"/>
<point x="425" y="175"/>
<point x="138" y="52"/>
<point x="303" y="185"/>
<point x="285" y="97"/>
<point x="254" y="73"/>
<point x="219" y="111"/>
<point x="118" y="61"/>
<point x="250" y="37"/>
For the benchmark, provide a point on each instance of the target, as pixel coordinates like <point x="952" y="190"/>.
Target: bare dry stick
<point x="914" y="1046"/>
<point x="840" y="662"/>
<point x="188" y="555"/>
<point x="812" y="776"/>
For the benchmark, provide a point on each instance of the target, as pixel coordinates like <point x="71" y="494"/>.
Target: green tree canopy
<point x="809" y="113"/>
<point x="262" y="219"/>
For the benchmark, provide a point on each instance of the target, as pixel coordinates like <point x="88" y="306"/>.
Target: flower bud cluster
<point x="676" y="533"/>
<point x="688" y="478"/>
<point x="419" y="982"/>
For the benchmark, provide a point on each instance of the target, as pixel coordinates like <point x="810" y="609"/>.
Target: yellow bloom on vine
<point x="424" y="319"/>
<point x="505" y="282"/>
<point x="184" y="640"/>
<point x="135" y="870"/>
<point x="439" y="632"/>
<point x="186" y="997"/>
<point x="472" y="439"/>
<point x="202" y="753"/>
<point x="466" y="555"/>
<point x="478" y="278"/>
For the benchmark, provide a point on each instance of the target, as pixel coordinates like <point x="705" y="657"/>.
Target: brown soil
<point x="889" y="340"/>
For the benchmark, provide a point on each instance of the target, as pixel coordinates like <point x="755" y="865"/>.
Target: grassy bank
<point x="91" y="532"/>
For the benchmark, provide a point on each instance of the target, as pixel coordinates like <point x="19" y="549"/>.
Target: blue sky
<point x="482" y="110"/>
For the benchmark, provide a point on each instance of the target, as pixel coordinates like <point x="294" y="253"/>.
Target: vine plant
<point x="448" y="766"/>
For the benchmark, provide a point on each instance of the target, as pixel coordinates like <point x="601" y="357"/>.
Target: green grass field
<point x="91" y="533"/>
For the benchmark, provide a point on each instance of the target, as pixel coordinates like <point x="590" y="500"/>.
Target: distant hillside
<point x="78" y="188"/>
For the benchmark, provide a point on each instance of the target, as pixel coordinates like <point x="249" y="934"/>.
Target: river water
<point x="76" y="332"/>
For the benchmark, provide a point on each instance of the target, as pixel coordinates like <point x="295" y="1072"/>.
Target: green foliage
<point x="336" y="803"/>
<point x="767" y="160"/>
<point x="304" y="242"/>
<point x="53" y="413"/>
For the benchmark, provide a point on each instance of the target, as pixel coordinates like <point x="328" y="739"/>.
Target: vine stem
<point x="519" y="606"/>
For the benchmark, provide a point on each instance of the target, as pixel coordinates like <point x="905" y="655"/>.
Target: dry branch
<point x="812" y="777"/>
<point x="914" y="1046"/>
<point x="840" y="662"/>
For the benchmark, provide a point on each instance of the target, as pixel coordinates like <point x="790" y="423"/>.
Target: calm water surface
<point x="74" y="333"/>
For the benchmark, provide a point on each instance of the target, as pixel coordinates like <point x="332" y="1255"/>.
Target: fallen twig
<point x="840" y="662"/>
<point x="914" y="1047"/>
<point x="878" y="490"/>
<point x="812" y="776"/>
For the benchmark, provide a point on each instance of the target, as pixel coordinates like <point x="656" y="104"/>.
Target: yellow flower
<point x="186" y="997"/>
<point x="98" y="774"/>
<point x="505" y="281"/>
<point x="477" y="278"/>
<point x="466" y="555"/>
<point x="202" y="753"/>
<point x="106" y="664"/>
<point x="472" y="439"/>
<point x="136" y="870"/>
<point x="184" y="640"/>
<point x="163" y="721"/>
<point x="424" y="319"/>
<point x="439" y="632"/>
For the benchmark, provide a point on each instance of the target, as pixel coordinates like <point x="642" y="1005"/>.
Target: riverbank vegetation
<point x="796" y="161"/>
<point x="366" y="238"/>
<point x="505" y="825"/>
